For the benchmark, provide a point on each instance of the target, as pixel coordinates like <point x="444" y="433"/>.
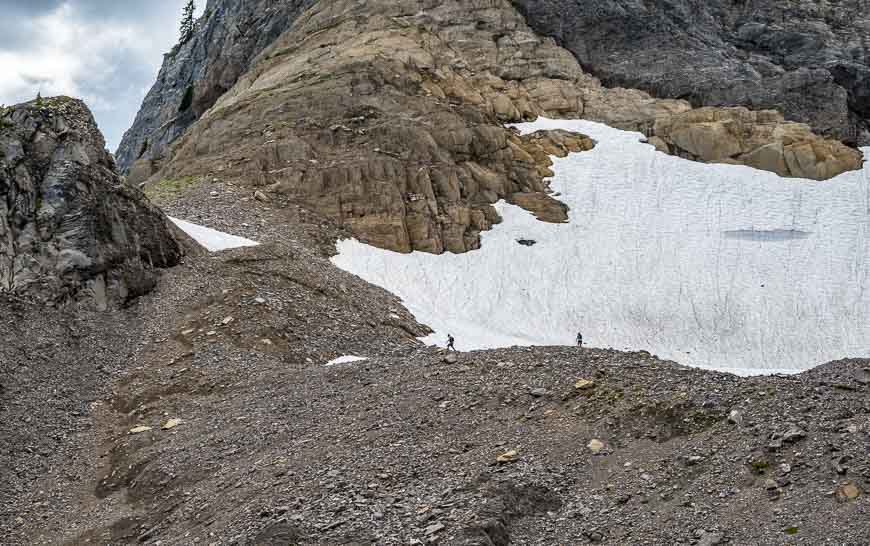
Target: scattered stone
<point x="539" y="392"/>
<point x="793" y="435"/>
<point x="584" y="384"/>
<point x="140" y="429"/>
<point x="711" y="539"/>
<point x="735" y="417"/>
<point x="595" y="537"/>
<point x="595" y="446"/>
<point x="450" y="358"/>
<point x="434" y="528"/>
<point x="261" y="197"/>
<point x="171" y="424"/>
<point x="508" y="456"/>
<point x="848" y="492"/>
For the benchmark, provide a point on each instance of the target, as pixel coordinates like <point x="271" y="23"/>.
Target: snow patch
<point x="716" y="266"/>
<point x="347" y="359"/>
<point x="212" y="240"/>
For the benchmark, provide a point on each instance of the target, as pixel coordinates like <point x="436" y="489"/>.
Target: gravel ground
<point x="205" y="414"/>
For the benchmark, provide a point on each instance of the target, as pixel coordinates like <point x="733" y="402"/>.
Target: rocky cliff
<point x="68" y="226"/>
<point x="809" y="60"/>
<point x="388" y="117"/>
<point x="195" y="74"/>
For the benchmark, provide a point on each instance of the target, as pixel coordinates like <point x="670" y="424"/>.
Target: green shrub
<point x="169" y="188"/>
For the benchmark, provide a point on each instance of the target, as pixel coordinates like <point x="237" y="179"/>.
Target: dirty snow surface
<point x="212" y="240"/>
<point x="715" y="266"/>
<point x="347" y="359"/>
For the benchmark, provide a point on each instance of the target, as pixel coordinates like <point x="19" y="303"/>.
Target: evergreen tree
<point x="187" y="22"/>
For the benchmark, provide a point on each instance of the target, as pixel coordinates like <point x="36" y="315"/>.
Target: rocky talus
<point x="69" y="227"/>
<point x="388" y="117"/>
<point x="809" y="60"/>
<point x="209" y="413"/>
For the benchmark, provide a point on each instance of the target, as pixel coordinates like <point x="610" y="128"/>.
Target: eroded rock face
<point x="388" y="117"/>
<point x="760" y="139"/>
<point x="69" y="228"/>
<point x="809" y="60"/>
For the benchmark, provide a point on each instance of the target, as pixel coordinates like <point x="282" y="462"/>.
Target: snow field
<point x="716" y="266"/>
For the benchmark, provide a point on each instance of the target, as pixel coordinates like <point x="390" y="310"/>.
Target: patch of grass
<point x="791" y="530"/>
<point x="169" y="188"/>
<point x="759" y="466"/>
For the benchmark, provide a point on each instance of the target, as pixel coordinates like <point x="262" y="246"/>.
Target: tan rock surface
<point x="760" y="139"/>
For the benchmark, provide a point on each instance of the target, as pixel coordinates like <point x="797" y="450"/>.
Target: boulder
<point x="69" y="227"/>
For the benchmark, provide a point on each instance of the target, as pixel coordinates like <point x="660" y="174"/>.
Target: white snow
<point x="212" y="240"/>
<point x="347" y="359"/>
<point x="715" y="266"/>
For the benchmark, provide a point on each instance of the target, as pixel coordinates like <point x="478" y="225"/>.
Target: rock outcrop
<point x="760" y="139"/>
<point x="388" y="117"/>
<point x="808" y="60"/>
<point x="69" y="227"/>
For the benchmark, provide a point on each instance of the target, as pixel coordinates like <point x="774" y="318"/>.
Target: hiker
<point x="450" y="341"/>
<point x="579" y="339"/>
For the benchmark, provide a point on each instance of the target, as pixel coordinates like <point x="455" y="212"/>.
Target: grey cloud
<point x="115" y="91"/>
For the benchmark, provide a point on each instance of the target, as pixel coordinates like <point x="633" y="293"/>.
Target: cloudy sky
<point x="106" y="52"/>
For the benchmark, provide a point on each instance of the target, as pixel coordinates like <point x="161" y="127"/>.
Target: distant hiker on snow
<point x="579" y="339"/>
<point x="450" y="341"/>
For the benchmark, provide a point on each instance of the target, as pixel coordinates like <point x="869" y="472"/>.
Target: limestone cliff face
<point x="808" y="59"/>
<point x="69" y="227"/>
<point x="194" y="75"/>
<point x="388" y="117"/>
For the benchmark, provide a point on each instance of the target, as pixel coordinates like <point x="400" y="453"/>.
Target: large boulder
<point x="69" y="227"/>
